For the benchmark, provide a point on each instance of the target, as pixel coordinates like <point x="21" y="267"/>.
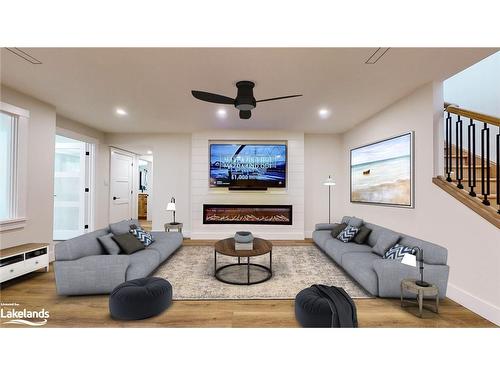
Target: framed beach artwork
<point x="382" y="172"/>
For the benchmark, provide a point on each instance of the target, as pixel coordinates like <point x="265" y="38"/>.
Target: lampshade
<point x="171" y="206"/>
<point x="409" y="260"/>
<point x="329" y="181"/>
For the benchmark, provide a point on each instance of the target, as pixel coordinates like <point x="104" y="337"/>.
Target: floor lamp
<point x="329" y="182"/>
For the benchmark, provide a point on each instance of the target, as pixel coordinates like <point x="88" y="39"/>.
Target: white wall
<point x="202" y="194"/>
<point x="472" y="242"/>
<point x="171" y="173"/>
<point x="40" y="184"/>
<point x="322" y="157"/>
<point x="477" y="88"/>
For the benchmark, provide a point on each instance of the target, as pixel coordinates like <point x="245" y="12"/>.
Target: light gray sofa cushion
<point x="391" y="272"/>
<point x="81" y="246"/>
<point x="109" y="244"/>
<point x="355" y="222"/>
<point x="385" y="241"/>
<point x="360" y="266"/>
<point x="433" y="254"/>
<point x="324" y="226"/>
<point x="122" y="226"/>
<point x="336" y="249"/>
<point x="165" y="243"/>
<point x="142" y="263"/>
<point x="93" y="274"/>
<point x="321" y="236"/>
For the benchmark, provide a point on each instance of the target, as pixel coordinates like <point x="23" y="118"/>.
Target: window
<point x="13" y="139"/>
<point x="7" y="149"/>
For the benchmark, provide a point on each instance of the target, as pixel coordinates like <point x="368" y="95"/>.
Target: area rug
<point x="190" y="271"/>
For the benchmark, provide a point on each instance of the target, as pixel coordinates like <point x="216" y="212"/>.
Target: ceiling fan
<point x="244" y="101"/>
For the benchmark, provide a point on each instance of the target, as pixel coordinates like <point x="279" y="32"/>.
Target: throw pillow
<point x="128" y="243"/>
<point x="398" y="251"/>
<point x="355" y="222"/>
<point x="345" y="219"/>
<point x="348" y="234"/>
<point x="109" y="245"/>
<point x="362" y="235"/>
<point x="145" y="237"/>
<point x="122" y="226"/>
<point x="385" y="241"/>
<point x="337" y="229"/>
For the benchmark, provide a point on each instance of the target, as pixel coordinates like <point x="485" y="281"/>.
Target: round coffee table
<point x="260" y="247"/>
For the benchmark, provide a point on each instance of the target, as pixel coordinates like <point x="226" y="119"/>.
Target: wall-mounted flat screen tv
<point x="248" y="165"/>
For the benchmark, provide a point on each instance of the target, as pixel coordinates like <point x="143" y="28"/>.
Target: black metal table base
<point x="248" y="265"/>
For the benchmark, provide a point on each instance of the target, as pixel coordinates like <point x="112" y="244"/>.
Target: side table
<point x="409" y="285"/>
<point x="169" y="226"/>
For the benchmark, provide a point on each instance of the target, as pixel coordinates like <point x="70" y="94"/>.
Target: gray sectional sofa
<point x="83" y="267"/>
<point x="382" y="277"/>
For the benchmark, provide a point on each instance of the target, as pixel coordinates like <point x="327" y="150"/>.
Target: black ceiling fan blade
<point x="278" y="98"/>
<point x="245" y="115"/>
<point x="212" y="98"/>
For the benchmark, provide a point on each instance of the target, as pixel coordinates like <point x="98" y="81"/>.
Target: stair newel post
<point x="485" y="163"/>
<point x="458" y="153"/>
<point x="448" y="147"/>
<point x="471" y="165"/>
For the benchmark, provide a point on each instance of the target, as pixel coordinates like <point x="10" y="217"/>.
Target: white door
<point x="121" y="178"/>
<point x="69" y="188"/>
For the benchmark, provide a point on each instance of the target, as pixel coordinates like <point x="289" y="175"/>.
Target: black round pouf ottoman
<point x="140" y="298"/>
<point x="312" y="309"/>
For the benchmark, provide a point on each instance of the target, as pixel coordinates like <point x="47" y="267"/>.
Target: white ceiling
<point x="154" y="84"/>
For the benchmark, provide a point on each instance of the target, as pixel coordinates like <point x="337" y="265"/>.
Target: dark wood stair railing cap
<point x="478" y="116"/>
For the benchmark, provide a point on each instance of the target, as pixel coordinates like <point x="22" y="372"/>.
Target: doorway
<point x="145" y="188"/>
<point x="121" y="185"/>
<point x="73" y="166"/>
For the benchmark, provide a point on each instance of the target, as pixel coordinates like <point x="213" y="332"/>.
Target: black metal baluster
<point x="458" y="149"/>
<point x="450" y="150"/>
<point x="498" y="169"/>
<point x="485" y="164"/>
<point x="471" y="165"/>
<point x="448" y="147"/>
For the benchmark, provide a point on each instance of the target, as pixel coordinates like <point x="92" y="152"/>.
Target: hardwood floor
<point x="37" y="291"/>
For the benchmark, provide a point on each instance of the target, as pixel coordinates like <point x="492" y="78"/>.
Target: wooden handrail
<point x="453" y="108"/>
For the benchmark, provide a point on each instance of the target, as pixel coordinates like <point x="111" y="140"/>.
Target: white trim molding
<point x="477" y="305"/>
<point x="10" y="224"/>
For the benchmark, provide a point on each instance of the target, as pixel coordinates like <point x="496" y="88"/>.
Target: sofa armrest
<point x="96" y="274"/>
<point x="324" y="226"/>
<point x="391" y="272"/>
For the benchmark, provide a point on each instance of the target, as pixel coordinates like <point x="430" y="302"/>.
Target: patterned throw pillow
<point x="348" y="234"/>
<point x="397" y="252"/>
<point x="145" y="237"/>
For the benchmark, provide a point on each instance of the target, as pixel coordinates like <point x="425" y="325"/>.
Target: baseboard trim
<point x="477" y="305"/>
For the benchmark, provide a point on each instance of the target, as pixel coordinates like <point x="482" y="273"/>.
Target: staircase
<point x="469" y="176"/>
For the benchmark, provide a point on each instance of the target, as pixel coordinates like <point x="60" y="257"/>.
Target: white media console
<point x="19" y="260"/>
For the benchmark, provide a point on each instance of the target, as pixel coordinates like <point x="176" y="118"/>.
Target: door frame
<point x="133" y="202"/>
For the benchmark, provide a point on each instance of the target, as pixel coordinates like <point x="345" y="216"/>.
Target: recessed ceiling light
<point x="149" y="152"/>
<point x="121" y="112"/>
<point x="222" y="113"/>
<point x="324" y="113"/>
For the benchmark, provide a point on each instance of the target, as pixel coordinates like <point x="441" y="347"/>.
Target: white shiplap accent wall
<point x="202" y="194"/>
